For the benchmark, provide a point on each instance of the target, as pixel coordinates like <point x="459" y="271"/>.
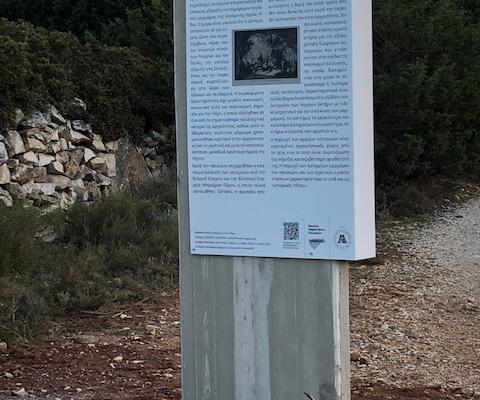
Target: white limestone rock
<point x="78" y="138"/>
<point x="88" y="154"/>
<point x="98" y="144"/>
<point x="29" y="158"/>
<point x="81" y="126"/>
<point x="3" y="153"/>
<point x="56" y="117"/>
<point x="32" y="144"/>
<point x="45" y="159"/>
<point x="15" y="143"/>
<point x="56" y="168"/>
<point x="35" y="120"/>
<point x="5" y="175"/>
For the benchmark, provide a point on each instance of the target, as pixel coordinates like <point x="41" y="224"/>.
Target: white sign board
<point x="280" y="128"/>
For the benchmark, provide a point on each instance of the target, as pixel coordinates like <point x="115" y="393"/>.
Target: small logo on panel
<point x="314" y="243"/>
<point x="342" y="239"/>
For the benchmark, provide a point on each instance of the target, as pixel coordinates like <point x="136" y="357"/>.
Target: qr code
<point x="291" y="231"/>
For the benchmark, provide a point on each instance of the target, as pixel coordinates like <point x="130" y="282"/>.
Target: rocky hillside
<point x="48" y="160"/>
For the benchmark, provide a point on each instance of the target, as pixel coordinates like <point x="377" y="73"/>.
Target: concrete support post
<point x="252" y="328"/>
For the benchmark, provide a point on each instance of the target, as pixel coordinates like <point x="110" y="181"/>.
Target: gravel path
<point x="416" y="317"/>
<point x="415" y="321"/>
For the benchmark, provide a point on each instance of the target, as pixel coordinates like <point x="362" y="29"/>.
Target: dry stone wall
<point x="50" y="161"/>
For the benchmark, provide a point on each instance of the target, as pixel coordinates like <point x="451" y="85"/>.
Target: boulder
<point x="98" y="144"/>
<point x="32" y="144"/>
<point x="112" y="146"/>
<point x="22" y="173"/>
<point x="5" y="176"/>
<point x="3" y="153"/>
<point x="81" y="126"/>
<point x="60" y="182"/>
<point x="16" y="190"/>
<point x="45" y="159"/>
<point x="93" y="190"/>
<point x="77" y="155"/>
<point x="79" y="188"/>
<point x="13" y="163"/>
<point x="78" y="138"/>
<point x="39" y="174"/>
<point x="56" y="168"/>
<point x="51" y="135"/>
<point x="78" y="184"/>
<point x="53" y="147"/>
<point x="90" y="174"/>
<point x="99" y="164"/>
<point x="36" y="120"/>
<point x="105" y="164"/>
<point x="29" y="158"/>
<point x="76" y="109"/>
<point x="103" y="180"/>
<point x="111" y="163"/>
<point x="83" y="170"/>
<point x="88" y="154"/>
<point x="46" y="189"/>
<point x="65" y="133"/>
<point x="67" y="199"/>
<point x="28" y="187"/>
<point x="72" y="169"/>
<point x="63" y="144"/>
<point x="15" y="143"/>
<point x="53" y="200"/>
<point x="19" y="116"/>
<point x="6" y="198"/>
<point x="56" y="117"/>
<point x="63" y="157"/>
<point x="35" y="133"/>
<point x="47" y="234"/>
<point x="132" y="170"/>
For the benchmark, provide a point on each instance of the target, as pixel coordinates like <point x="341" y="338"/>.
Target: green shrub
<point x="34" y="68"/>
<point x="113" y="250"/>
<point x="427" y="102"/>
<point x="41" y="67"/>
<point x="126" y="73"/>
<point x="76" y="16"/>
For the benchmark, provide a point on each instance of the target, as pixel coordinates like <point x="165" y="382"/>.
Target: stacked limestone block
<point x="154" y="147"/>
<point x="48" y="160"/>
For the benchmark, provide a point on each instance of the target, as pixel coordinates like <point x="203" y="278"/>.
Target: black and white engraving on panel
<point x="266" y="56"/>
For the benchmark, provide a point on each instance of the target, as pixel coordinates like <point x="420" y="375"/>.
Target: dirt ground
<point x="415" y="322"/>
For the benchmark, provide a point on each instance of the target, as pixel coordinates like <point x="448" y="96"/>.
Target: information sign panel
<point x="280" y="128"/>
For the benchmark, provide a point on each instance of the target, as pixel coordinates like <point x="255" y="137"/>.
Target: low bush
<point x="427" y="102"/>
<point x="116" y="249"/>
<point x="121" y="86"/>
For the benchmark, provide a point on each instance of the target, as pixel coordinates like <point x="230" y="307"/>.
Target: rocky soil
<point x="415" y="317"/>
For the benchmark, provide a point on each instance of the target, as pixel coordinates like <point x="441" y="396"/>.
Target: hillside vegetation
<point x="114" y="250"/>
<point x="118" y="56"/>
